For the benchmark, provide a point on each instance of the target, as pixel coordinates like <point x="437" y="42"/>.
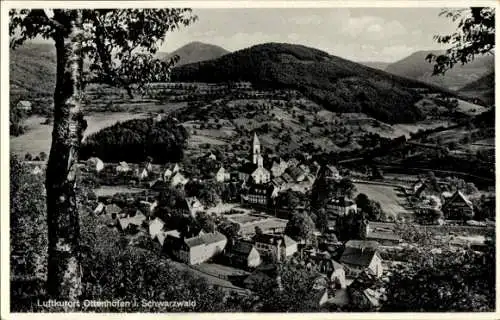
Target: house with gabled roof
<point x="276" y="247"/>
<point x="196" y="250"/>
<point x="194" y="206"/>
<point x="122" y="167"/>
<point x="156" y="227"/>
<point x="244" y="254"/>
<point x="296" y="173"/>
<point x="222" y="175"/>
<point x="331" y="172"/>
<point x="171" y="234"/>
<point x="341" y="206"/>
<point x="334" y="271"/>
<point x="112" y="209"/>
<point x="131" y="224"/>
<point x="95" y="164"/>
<point x="178" y="179"/>
<point x="141" y="173"/>
<point x="360" y="256"/>
<point x="170" y="170"/>
<point x="458" y="207"/>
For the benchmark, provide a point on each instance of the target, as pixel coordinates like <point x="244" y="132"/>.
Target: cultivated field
<point x="391" y="199"/>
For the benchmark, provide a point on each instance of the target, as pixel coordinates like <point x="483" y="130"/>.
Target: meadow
<point x="391" y="199"/>
<point x="38" y="137"/>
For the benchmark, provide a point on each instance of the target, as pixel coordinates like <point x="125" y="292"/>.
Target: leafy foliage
<point x="300" y="226"/>
<point x="137" y="139"/>
<point x="297" y="294"/>
<point x="447" y="281"/>
<point x="371" y="208"/>
<point x="475" y="35"/>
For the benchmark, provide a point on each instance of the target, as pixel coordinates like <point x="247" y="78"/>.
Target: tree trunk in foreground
<point x="64" y="270"/>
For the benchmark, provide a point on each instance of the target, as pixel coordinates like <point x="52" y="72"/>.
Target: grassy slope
<point x="338" y="84"/>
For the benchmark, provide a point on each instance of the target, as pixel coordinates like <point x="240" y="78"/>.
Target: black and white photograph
<point x="285" y="159"/>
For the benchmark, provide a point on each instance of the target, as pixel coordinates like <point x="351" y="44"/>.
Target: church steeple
<point x="257" y="157"/>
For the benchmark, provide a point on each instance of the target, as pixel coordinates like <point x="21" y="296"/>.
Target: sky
<point x="358" y="34"/>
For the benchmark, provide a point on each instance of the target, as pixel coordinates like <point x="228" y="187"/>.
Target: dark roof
<point x="460" y="197"/>
<point x="260" y="189"/>
<point x="358" y="256"/>
<point x="242" y="248"/>
<point x="278" y="181"/>
<point x="377" y="234"/>
<point x="205" y="238"/>
<point x="248" y="167"/>
<point x="287" y="177"/>
<point x="362" y="244"/>
<point x="273" y="238"/>
<point x="294" y="172"/>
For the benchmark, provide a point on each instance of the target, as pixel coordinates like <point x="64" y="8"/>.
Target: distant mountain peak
<point x="196" y="51"/>
<point x="415" y="66"/>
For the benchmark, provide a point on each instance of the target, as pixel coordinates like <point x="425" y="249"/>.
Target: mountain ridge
<point x="415" y="66"/>
<point x="338" y="84"/>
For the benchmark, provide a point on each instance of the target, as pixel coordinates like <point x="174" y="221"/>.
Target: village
<point x="237" y="230"/>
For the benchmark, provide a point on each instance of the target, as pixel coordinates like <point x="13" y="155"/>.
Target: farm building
<point x="458" y="207"/>
<point x="112" y="210"/>
<point x="95" y="164"/>
<point x="123" y="167"/>
<point x="37" y="170"/>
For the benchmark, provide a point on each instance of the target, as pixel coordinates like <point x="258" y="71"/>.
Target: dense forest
<point x="136" y="140"/>
<point x="339" y="85"/>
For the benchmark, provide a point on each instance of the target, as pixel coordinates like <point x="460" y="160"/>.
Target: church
<point x="257" y="178"/>
<point x="255" y="169"/>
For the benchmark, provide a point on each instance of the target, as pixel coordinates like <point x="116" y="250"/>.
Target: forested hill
<point x="196" y="52"/>
<point x="339" y="85"/>
<point x="137" y="139"/>
<point x="483" y="88"/>
<point x="33" y="69"/>
<point x="415" y="66"/>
